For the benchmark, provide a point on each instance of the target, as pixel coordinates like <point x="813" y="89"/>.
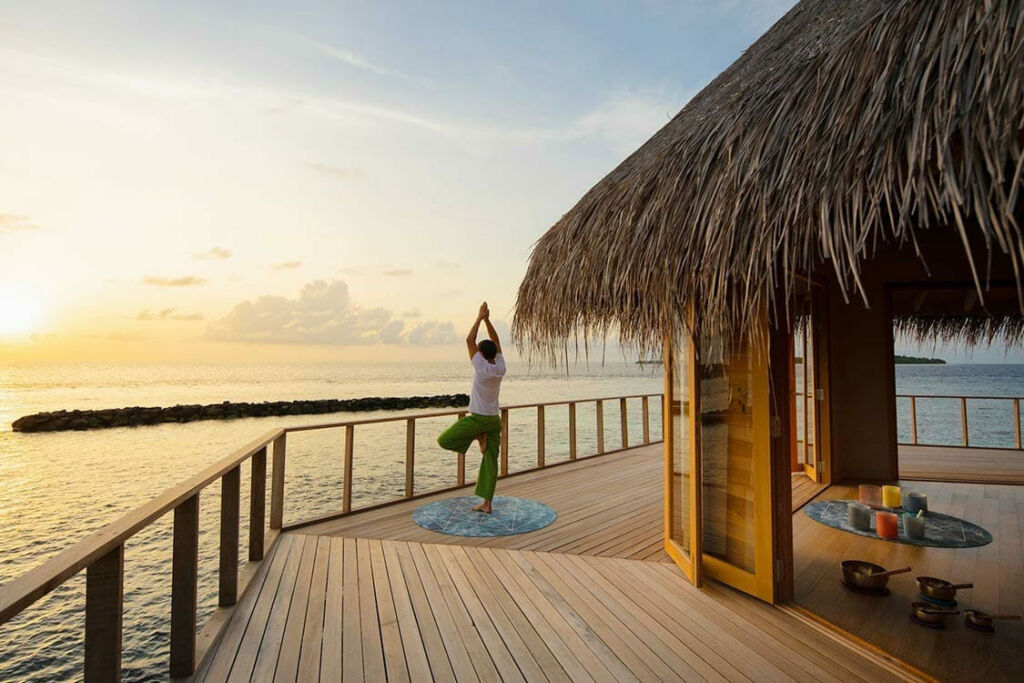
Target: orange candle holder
<point x="887" y="525"/>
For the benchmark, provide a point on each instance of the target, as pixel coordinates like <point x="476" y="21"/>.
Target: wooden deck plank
<point x="390" y="634"/>
<point x="967" y="465"/>
<point x="369" y="618"/>
<point x="405" y="615"/>
<point x="273" y="634"/>
<point x="313" y="629"/>
<point x="352" y="647"/>
<point x="292" y="640"/>
<point x="329" y="661"/>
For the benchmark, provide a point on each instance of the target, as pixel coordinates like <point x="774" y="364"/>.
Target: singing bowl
<point x="975" y="617"/>
<point x="866" y="575"/>
<point x="931" y="614"/>
<point x="939" y="589"/>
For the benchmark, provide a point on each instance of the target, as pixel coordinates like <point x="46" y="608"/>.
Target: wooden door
<point x="682" y="464"/>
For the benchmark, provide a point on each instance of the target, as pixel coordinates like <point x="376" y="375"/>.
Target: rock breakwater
<point x="80" y="420"/>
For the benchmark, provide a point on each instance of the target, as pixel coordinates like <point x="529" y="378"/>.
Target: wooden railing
<point x="964" y="428"/>
<point x="101" y="554"/>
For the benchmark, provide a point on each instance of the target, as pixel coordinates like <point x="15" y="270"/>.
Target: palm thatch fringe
<point x="961" y="329"/>
<point x="849" y="124"/>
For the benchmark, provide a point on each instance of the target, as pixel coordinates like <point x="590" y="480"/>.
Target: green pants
<point x="463" y="433"/>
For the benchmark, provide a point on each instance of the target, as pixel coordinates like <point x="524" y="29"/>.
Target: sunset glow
<point x="19" y="313"/>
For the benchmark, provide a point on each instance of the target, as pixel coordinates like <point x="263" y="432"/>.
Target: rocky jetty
<point x="64" y="420"/>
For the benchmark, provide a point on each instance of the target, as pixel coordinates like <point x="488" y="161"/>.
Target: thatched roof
<point x="849" y="123"/>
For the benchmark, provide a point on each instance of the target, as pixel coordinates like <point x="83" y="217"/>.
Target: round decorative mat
<point x="454" y="516"/>
<point x="940" y="531"/>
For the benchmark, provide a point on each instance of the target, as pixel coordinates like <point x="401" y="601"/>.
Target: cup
<point x="858" y="516"/>
<point x="887" y="525"/>
<point x="869" y="494"/>
<point x="913" y="526"/>
<point x="891" y="496"/>
<point x="912" y="502"/>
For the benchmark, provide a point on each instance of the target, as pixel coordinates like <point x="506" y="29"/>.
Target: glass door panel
<point x="735" y="469"/>
<point x="682" y="499"/>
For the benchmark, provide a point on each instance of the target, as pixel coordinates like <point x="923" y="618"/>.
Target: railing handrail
<point x="101" y="553"/>
<point x="449" y="413"/>
<point x="35" y="583"/>
<point x="951" y="396"/>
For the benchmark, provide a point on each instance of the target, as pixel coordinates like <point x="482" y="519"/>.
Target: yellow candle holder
<point x="891" y="496"/>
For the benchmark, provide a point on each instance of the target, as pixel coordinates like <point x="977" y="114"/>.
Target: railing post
<point x="600" y="426"/>
<point x="504" y="441"/>
<point x="230" y="484"/>
<point x="410" y="455"/>
<point x="572" y="431"/>
<point x="540" y="436"/>
<point x="184" y="581"/>
<point x="104" y="609"/>
<point x="963" y="417"/>
<point x="623" y="423"/>
<point x="461" y="461"/>
<point x="350" y="437"/>
<point x="257" y="504"/>
<point x="913" y="420"/>
<point x="645" y="403"/>
<point x="1016" y="422"/>
<point x="277" y="484"/>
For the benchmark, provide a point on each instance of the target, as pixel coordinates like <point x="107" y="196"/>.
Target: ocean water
<point x="58" y="487"/>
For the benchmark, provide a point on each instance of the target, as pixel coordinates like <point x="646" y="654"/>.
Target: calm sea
<point x="58" y="487"/>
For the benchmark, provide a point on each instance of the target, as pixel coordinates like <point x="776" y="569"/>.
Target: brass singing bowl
<point x="984" y="620"/>
<point x="931" y="614"/>
<point x="939" y="589"/>
<point x="868" y="575"/>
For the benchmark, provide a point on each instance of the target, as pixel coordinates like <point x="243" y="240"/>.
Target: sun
<point x="19" y="313"/>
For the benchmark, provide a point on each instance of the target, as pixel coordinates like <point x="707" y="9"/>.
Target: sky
<point x="187" y="181"/>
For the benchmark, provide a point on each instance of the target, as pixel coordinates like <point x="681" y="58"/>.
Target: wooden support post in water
<point x="913" y="420"/>
<point x="963" y="417"/>
<point x="645" y="403"/>
<point x="184" y="581"/>
<point x="1016" y="422"/>
<point x="230" y="484"/>
<point x="461" y="461"/>
<point x="540" y="436"/>
<point x="104" y="609"/>
<point x="410" y="455"/>
<point x="277" y="484"/>
<point x="572" y="431"/>
<point x="257" y="504"/>
<point x="623" y="424"/>
<point x="504" y="441"/>
<point x="600" y="426"/>
<point x="350" y="437"/>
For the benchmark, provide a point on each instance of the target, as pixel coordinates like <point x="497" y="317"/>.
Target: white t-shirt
<point x="483" y="399"/>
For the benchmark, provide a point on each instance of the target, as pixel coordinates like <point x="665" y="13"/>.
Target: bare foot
<point x="482" y="440"/>
<point x="483" y="507"/>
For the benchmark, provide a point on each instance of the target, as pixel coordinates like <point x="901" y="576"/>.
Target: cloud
<point x="337" y="171"/>
<point x="323" y="313"/>
<point x="412" y="313"/>
<point x="388" y="271"/>
<point x="286" y="265"/>
<point x="186" y="281"/>
<point x="354" y="60"/>
<point x="215" y="253"/>
<point x="13" y="222"/>
<point x="398" y="272"/>
<point x="167" y="314"/>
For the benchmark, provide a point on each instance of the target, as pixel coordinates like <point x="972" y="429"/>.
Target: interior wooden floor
<point x="804" y="489"/>
<point x="997" y="570"/>
<point x="608" y="506"/>
<point x="980" y="465"/>
<point x="331" y="608"/>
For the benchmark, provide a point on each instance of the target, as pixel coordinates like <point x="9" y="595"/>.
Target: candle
<point x="891" y="496"/>
<point x="887" y="524"/>
<point x="914" y="526"/>
<point x="869" y="494"/>
<point x="858" y="516"/>
<point x="912" y="502"/>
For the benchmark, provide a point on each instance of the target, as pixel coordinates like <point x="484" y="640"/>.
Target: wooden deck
<point x="949" y="463"/>
<point x="331" y="608"/>
<point x="608" y="506"/>
<point x="997" y="570"/>
<point x="804" y="489"/>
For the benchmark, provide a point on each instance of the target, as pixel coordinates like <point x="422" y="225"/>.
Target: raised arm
<point x="490" y="331"/>
<point x="475" y="330"/>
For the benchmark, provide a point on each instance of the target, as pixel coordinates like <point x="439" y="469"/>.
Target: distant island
<point x="64" y="420"/>
<point x="914" y="360"/>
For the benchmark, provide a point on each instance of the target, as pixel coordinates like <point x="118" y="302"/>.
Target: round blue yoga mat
<point x="454" y="516"/>
<point x="940" y="531"/>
